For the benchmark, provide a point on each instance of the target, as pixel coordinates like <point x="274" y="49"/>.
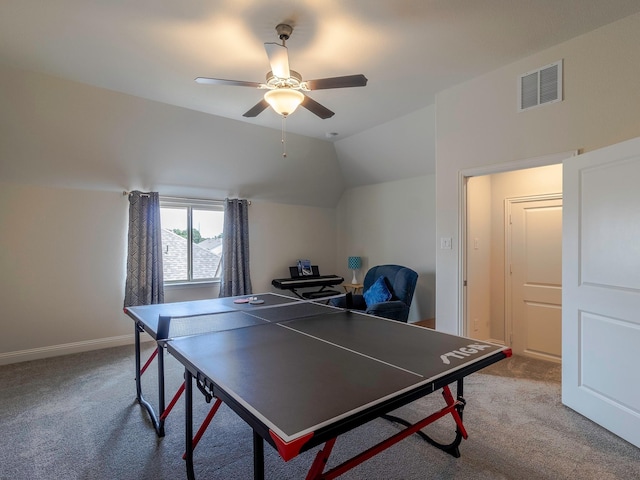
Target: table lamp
<point x="355" y="263"/>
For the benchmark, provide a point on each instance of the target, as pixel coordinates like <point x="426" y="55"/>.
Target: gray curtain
<point x="144" y="283"/>
<point x="235" y="278"/>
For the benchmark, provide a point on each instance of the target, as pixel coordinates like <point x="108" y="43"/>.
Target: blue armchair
<point x="401" y="282"/>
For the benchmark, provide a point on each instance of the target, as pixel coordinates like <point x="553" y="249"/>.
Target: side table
<point x="352" y="287"/>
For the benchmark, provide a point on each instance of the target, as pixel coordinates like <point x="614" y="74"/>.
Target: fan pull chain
<point x="284" y="136"/>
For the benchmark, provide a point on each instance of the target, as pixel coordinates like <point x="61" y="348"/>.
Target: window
<point x="191" y="239"/>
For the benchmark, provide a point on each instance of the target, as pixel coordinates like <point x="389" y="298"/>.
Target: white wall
<point x="67" y="151"/>
<point x="392" y="222"/>
<point x="402" y="148"/>
<point x="282" y="234"/>
<point x="63" y="264"/>
<point x="477" y="124"/>
<point x="55" y="132"/>
<point x="62" y="269"/>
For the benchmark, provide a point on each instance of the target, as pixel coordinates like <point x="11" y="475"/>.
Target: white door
<point x="601" y="287"/>
<point x="535" y="268"/>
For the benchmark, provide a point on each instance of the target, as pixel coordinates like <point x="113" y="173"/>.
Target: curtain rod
<point x="126" y="193"/>
<point x="195" y="199"/>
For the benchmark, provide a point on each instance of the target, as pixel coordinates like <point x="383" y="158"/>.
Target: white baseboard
<point x="65" y="349"/>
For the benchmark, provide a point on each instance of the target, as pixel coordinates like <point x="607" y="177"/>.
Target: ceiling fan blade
<point x="317" y="109"/>
<point x="221" y="81"/>
<point x="257" y="109"/>
<point x="279" y="59"/>
<point x="338" y="82"/>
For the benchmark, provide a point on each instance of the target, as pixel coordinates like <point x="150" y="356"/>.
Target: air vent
<point x="540" y="87"/>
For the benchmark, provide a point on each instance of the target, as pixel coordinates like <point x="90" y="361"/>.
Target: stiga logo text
<point x="463" y="352"/>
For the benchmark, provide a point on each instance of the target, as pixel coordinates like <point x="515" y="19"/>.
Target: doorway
<point x="487" y="306"/>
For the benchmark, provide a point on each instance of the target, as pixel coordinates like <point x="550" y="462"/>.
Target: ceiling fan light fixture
<point x="284" y="100"/>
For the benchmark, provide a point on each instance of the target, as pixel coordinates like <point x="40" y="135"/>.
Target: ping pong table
<point x="155" y="321"/>
<point x="300" y="373"/>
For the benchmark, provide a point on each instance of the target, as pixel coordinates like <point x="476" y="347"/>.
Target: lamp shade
<point x="354" y="263"/>
<point x="284" y="100"/>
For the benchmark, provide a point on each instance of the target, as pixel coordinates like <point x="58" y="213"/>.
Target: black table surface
<point x="147" y="315"/>
<point x="298" y="375"/>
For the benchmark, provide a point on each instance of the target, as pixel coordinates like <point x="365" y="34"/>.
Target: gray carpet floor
<point x="75" y="417"/>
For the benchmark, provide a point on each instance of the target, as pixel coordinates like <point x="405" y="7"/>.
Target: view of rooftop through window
<point x="191" y="254"/>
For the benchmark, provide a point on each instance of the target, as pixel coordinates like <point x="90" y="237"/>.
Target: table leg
<point x="138" y="363"/>
<point x="258" y="457"/>
<point x="188" y="409"/>
<point x="158" y="424"/>
<point x="161" y="400"/>
<point x="451" y="448"/>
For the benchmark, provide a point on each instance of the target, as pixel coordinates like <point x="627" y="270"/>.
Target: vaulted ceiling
<point x="408" y="49"/>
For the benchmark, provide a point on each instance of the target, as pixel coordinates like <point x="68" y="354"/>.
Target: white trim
<point x="462" y="259"/>
<point x="64" y="349"/>
<point x="189" y="205"/>
<point x="542" y="161"/>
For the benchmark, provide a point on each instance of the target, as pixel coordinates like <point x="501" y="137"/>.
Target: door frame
<point x="463" y="175"/>
<point x="508" y="203"/>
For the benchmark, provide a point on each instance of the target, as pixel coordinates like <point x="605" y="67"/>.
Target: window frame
<point x="190" y="204"/>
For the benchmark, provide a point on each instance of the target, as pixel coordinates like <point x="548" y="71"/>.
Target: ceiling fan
<point x="284" y="86"/>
